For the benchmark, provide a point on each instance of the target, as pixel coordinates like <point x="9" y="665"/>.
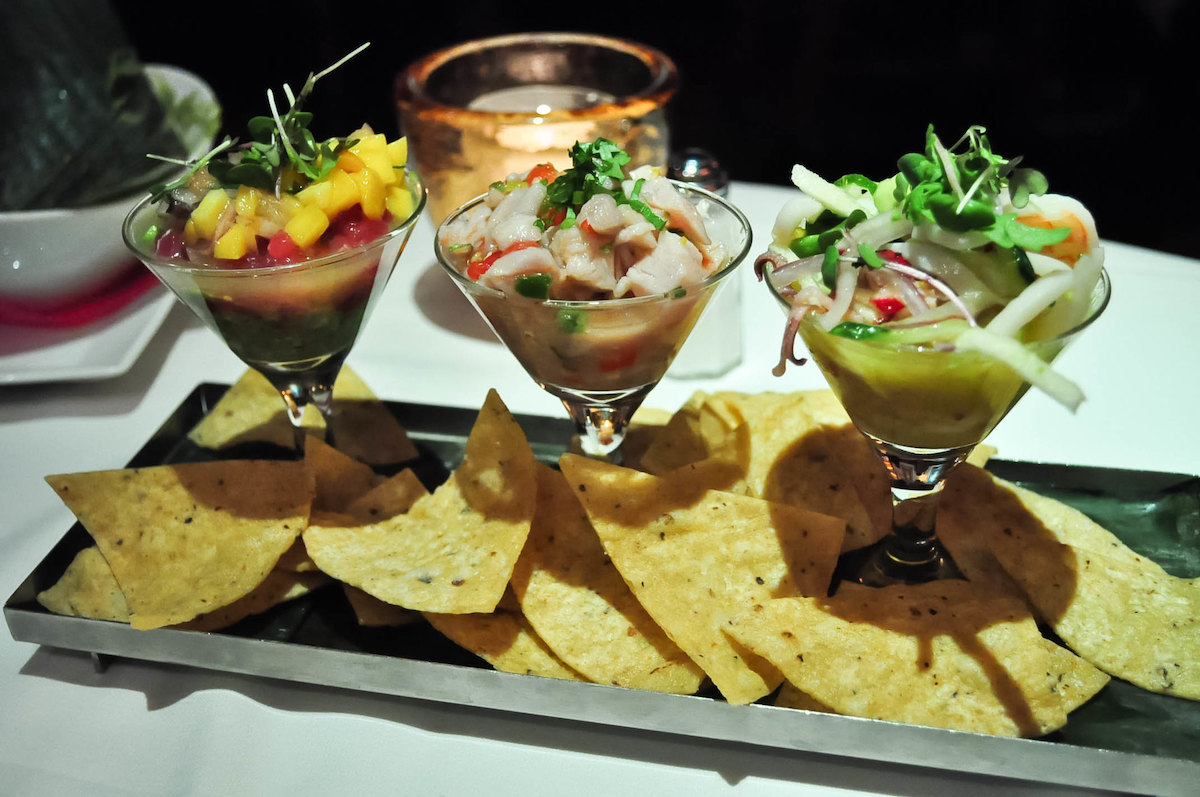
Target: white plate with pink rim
<point x="100" y="350"/>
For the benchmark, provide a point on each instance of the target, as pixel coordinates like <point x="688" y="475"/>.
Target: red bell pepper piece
<point x="480" y="267"/>
<point x="888" y="305"/>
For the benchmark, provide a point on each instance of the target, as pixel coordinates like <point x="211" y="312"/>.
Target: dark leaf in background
<point x="80" y="116"/>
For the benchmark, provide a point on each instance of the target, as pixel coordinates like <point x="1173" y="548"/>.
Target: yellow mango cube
<point x="316" y="194"/>
<point x="208" y="213"/>
<point x="235" y="242"/>
<point x="344" y="192"/>
<point x="398" y="152"/>
<point x="373" y="152"/>
<point x="247" y="200"/>
<point x="400" y="202"/>
<point x="350" y="162"/>
<point x="307" y="225"/>
<point x="372" y="192"/>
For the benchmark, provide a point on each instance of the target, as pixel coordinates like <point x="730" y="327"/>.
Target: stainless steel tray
<point x="1124" y="739"/>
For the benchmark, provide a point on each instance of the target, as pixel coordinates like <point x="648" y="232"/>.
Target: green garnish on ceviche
<point x="961" y="249"/>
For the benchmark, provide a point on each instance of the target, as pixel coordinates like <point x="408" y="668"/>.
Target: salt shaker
<point x="699" y="166"/>
<point x="715" y="345"/>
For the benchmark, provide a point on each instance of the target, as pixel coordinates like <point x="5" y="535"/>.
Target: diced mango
<point x="316" y="194"/>
<point x="373" y="152"/>
<point x="400" y="202"/>
<point x="344" y="192"/>
<point x="234" y="243"/>
<point x="247" y="201"/>
<point x="349" y="162"/>
<point x="398" y="152"/>
<point x="288" y="205"/>
<point x="307" y="225"/>
<point x="208" y="213"/>
<point x="371" y="191"/>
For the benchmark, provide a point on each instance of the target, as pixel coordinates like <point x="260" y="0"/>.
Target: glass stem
<point x="913" y="542"/>
<point x="300" y="390"/>
<point x="910" y="554"/>
<point x="601" y="429"/>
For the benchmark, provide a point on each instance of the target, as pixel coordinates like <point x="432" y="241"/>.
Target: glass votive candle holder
<point x="479" y="111"/>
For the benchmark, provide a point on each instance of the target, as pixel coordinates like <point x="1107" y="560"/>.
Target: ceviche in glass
<point x="281" y="244"/>
<point x="932" y="300"/>
<point x="593" y="277"/>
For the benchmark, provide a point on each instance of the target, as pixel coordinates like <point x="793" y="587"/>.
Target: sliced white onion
<point x="959" y="241"/>
<point x="1031" y="302"/>
<point x="797" y="210"/>
<point x="843" y="294"/>
<point x="881" y="229"/>
<point x="1044" y="264"/>
<point x="797" y="269"/>
<point x="839" y="200"/>
<point x="1031" y="368"/>
<point x="948" y="266"/>
<point x="900" y="286"/>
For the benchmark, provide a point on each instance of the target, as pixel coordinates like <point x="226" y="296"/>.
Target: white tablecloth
<point x="149" y="729"/>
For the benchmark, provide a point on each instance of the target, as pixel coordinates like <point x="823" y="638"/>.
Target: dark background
<point x="1100" y="96"/>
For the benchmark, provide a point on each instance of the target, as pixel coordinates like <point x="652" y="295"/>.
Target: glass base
<point x="910" y="553"/>
<point x="895" y="560"/>
<point x="601" y="417"/>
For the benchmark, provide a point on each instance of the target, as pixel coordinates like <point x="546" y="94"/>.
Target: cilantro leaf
<point x="597" y="167"/>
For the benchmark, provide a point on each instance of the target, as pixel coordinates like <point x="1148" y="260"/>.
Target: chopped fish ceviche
<point x="960" y="249"/>
<point x="590" y="232"/>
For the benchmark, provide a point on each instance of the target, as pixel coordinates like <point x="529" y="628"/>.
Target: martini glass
<point x="602" y="357"/>
<point x="923" y="409"/>
<point x="293" y="323"/>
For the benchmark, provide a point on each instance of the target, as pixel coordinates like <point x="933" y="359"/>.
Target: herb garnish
<point x="282" y="148"/>
<point x="956" y="189"/>
<point x="596" y="168"/>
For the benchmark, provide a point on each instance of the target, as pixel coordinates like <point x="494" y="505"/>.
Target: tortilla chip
<point x="805" y="451"/>
<point x="389" y="498"/>
<point x="370" y="612"/>
<point x="1117" y="609"/>
<point x="681" y="441"/>
<point x="363" y="426"/>
<point x="980" y="455"/>
<point x="339" y="478"/>
<point x="251" y="411"/>
<point x="644" y="428"/>
<point x="453" y="552"/>
<point x="505" y="640"/>
<point x="581" y="607"/>
<point x="793" y="448"/>
<point x="87" y="588"/>
<point x="184" y="540"/>
<point x="789" y="696"/>
<point x="296" y="559"/>
<point x="697" y="558"/>
<point x="935" y="654"/>
<point x="280" y="586"/>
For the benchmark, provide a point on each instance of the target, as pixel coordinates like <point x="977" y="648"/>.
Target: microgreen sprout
<point x="281" y="147"/>
<point x="930" y="189"/>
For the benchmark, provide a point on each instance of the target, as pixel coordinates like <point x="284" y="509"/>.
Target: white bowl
<point x="59" y="254"/>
